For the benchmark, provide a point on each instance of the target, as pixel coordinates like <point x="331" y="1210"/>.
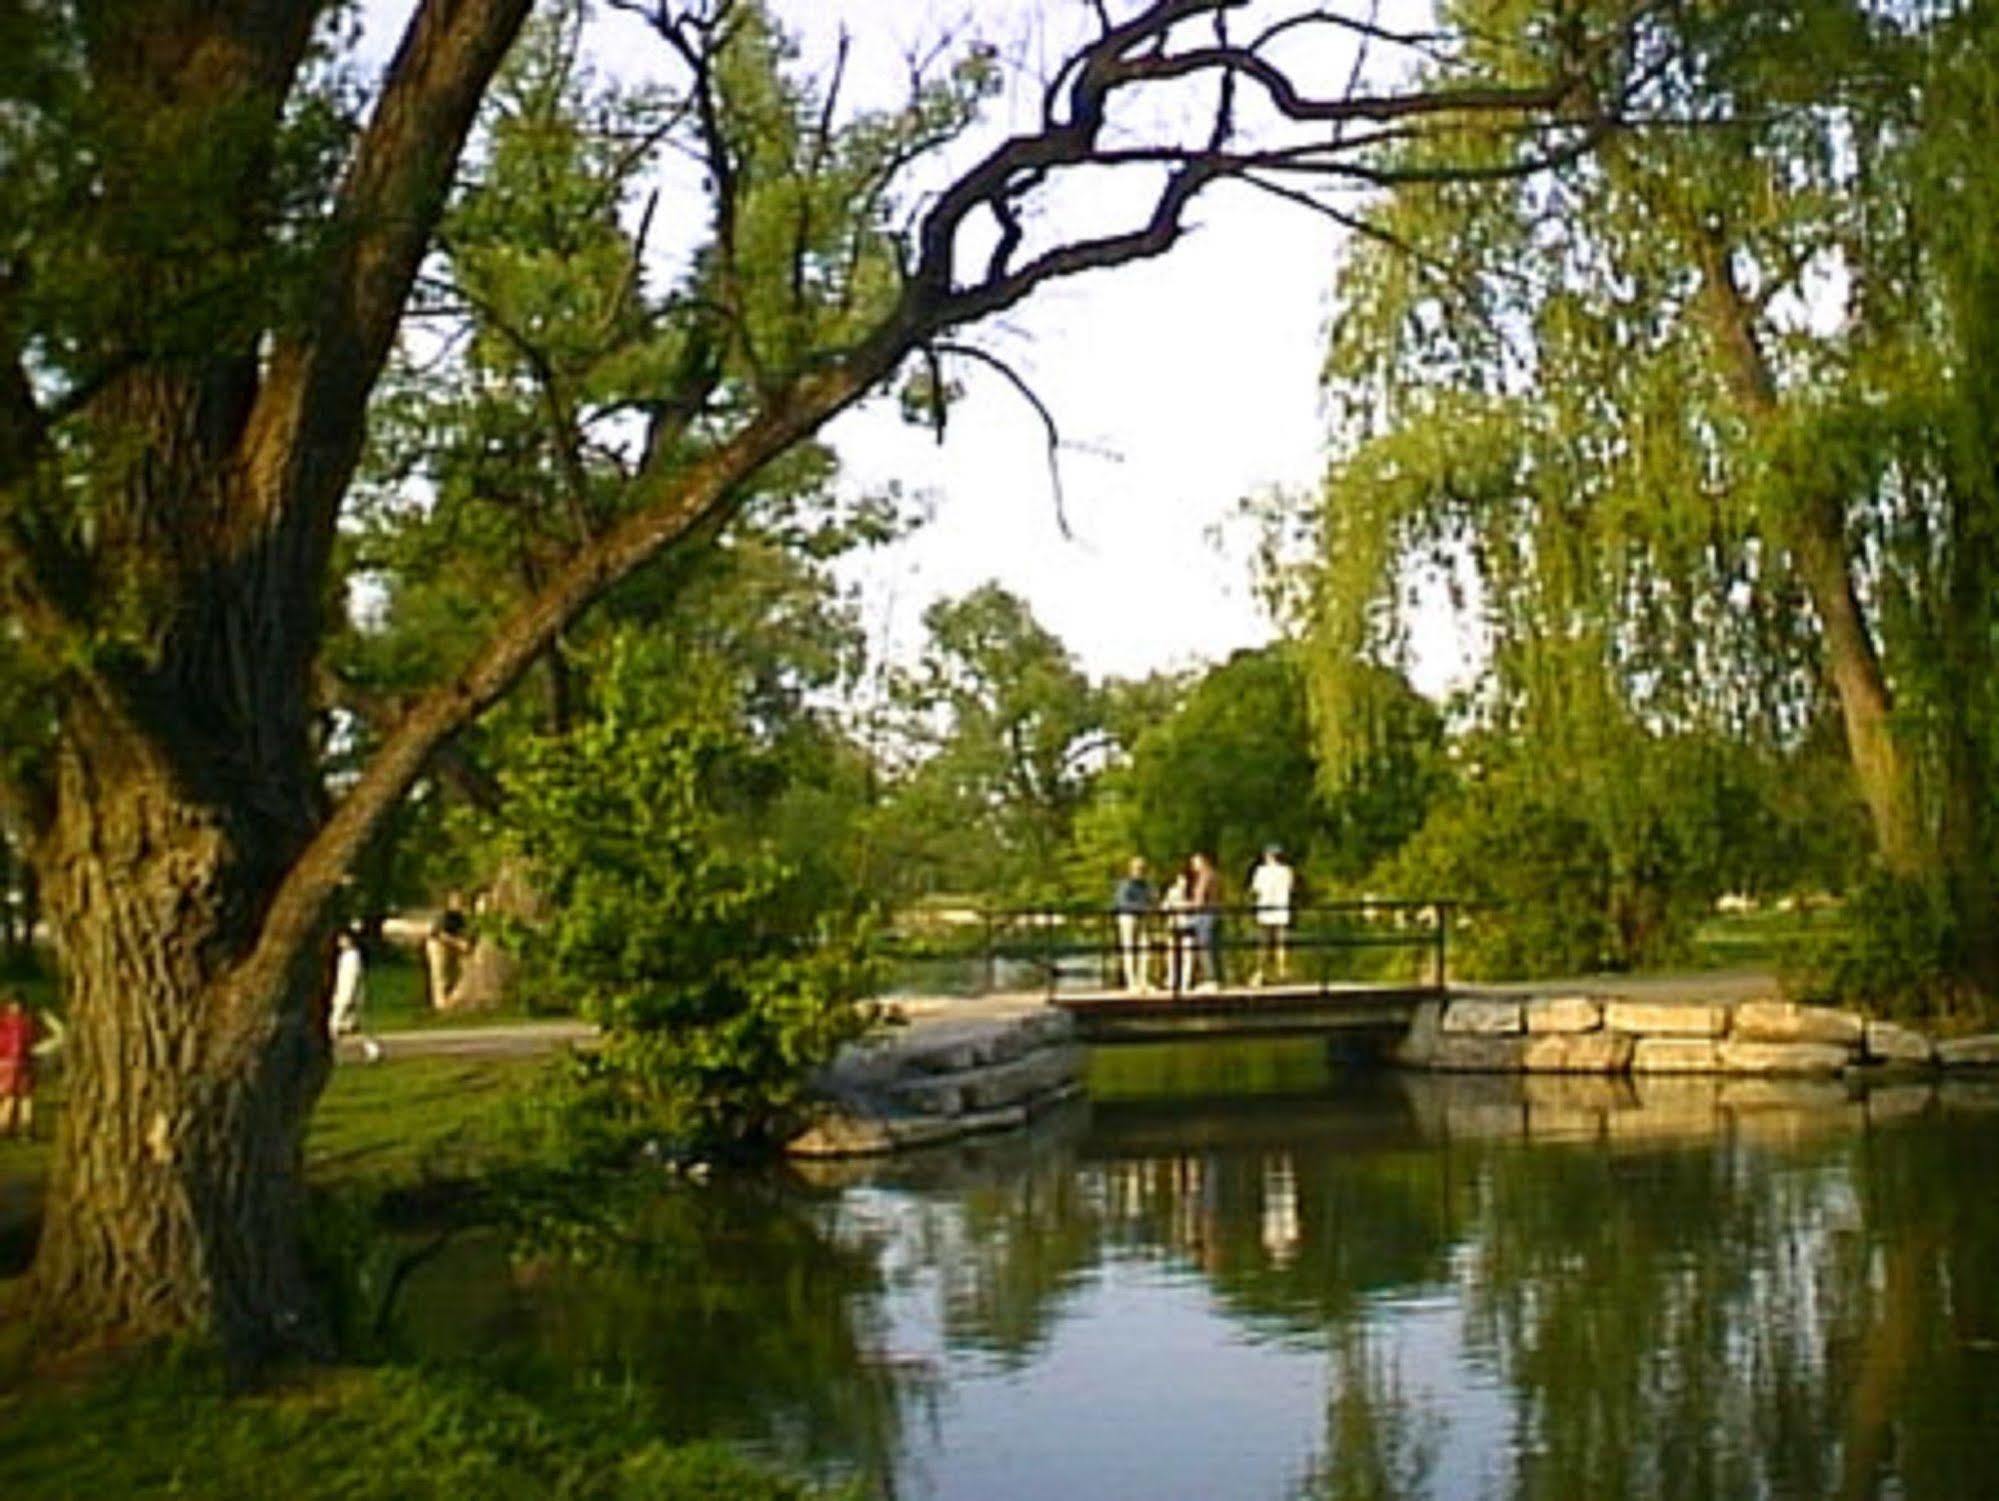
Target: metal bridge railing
<point x="1327" y="946"/>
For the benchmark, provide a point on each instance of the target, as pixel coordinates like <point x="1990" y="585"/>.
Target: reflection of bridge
<point x="1347" y="968"/>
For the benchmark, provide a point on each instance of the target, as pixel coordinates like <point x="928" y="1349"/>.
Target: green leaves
<point x="722" y="976"/>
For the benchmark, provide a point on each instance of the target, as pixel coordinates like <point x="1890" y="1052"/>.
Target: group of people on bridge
<point x="1172" y="939"/>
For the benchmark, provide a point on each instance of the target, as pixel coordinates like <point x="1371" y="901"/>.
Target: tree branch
<point x="677" y="498"/>
<point x="707" y="490"/>
<point x="1050" y="431"/>
<point x="303" y="438"/>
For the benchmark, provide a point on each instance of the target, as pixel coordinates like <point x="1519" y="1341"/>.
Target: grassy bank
<point x="168" y="1427"/>
<point x="356" y="1434"/>
<point x="383" y="1125"/>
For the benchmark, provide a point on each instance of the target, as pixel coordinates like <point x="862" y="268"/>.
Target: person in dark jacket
<point x="1132" y="904"/>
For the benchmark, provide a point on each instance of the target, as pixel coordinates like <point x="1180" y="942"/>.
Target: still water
<point x="1237" y="1274"/>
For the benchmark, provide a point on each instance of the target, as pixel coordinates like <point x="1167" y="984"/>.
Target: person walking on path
<point x="350" y="989"/>
<point x="1271" y="890"/>
<point x="1132" y="903"/>
<point x="444" y="951"/>
<point x="22" y="1039"/>
<point x="1204" y="896"/>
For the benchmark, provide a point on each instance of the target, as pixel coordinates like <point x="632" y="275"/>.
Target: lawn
<point x="387" y="1123"/>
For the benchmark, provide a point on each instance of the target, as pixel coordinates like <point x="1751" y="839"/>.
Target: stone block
<point x="1675" y="1055"/>
<point x="954" y="1059"/>
<point x="841" y="1134"/>
<point x="941" y="1095"/>
<point x="1479" y="1055"/>
<point x="1417" y="1047"/>
<point x="927" y="1130"/>
<point x="1970" y="1052"/>
<point x="1792" y="1058"/>
<point x="1564" y="1013"/>
<point x="1482" y="1018"/>
<point x="1889" y="1042"/>
<point x="1971" y="1094"/>
<point x="1895" y="1102"/>
<point x="1578" y="1053"/>
<point x="1050" y="1026"/>
<point x="1666" y="1018"/>
<point x="1787" y="1021"/>
<point x="1666" y="1108"/>
<point x="1015" y="1083"/>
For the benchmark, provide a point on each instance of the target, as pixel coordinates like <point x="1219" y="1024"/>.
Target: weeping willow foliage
<point x="1610" y="405"/>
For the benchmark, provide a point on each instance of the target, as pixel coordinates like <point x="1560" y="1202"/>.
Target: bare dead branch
<point x="1050" y="431"/>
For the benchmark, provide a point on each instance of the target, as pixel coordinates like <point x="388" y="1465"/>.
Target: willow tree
<point x="1701" y="415"/>
<point x="208" y="257"/>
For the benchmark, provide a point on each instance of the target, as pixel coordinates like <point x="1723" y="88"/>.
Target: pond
<point x="1238" y="1272"/>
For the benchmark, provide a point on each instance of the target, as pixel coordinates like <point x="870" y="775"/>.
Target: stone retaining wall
<point x="953" y="1071"/>
<point x="1583" y="1034"/>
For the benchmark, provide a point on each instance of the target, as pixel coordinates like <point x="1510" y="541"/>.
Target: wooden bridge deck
<point x="1242" y="1011"/>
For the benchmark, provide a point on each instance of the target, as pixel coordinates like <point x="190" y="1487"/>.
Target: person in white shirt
<point x="349" y="990"/>
<point x="1270" y="890"/>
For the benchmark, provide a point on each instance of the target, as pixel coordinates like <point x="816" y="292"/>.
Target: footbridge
<point x="1355" y="970"/>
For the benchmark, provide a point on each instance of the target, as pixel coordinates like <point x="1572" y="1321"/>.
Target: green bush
<point x="1898" y="954"/>
<point x="1535" y="882"/>
<point x="721" y="973"/>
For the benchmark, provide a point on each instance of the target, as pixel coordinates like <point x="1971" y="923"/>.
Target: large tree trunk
<point x="1881" y="767"/>
<point x="1815" y="532"/>
<point x="174" y="1205"/>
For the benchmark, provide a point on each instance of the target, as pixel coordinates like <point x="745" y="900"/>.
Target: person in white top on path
<point x="349" y="989"/>
<point x="1270" y="889"/>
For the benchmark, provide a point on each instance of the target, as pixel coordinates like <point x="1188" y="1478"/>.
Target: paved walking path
<point x="939" y="1020"/>
<point x="523" y="1039"/>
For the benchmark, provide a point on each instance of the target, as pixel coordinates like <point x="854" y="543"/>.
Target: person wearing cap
<point x="1270" y="891"/>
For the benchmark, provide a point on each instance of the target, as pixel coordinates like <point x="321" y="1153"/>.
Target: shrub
<point x="721" y="974"/>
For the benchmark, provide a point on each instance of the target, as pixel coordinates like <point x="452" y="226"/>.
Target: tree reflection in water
<point x="1573" y="1290"/>
<point x="725" y="1312"/>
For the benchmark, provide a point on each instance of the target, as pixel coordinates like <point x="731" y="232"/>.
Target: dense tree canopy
<point x="1698" y="424"/>
<point x="215" y="236"/>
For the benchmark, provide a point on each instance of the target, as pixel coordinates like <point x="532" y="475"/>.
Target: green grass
<point x="386" y="1124"/>
<point x="398" y="998"/>
<point x="1764" y="939"/>
<point x="162" y="1425"/>
<point x="357" y="1434"/>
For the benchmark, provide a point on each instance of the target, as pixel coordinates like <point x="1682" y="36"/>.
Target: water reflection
<point x="1336" y="1287"/>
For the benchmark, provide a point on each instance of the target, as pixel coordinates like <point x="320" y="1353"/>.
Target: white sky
<point x="1180" y="387"/>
